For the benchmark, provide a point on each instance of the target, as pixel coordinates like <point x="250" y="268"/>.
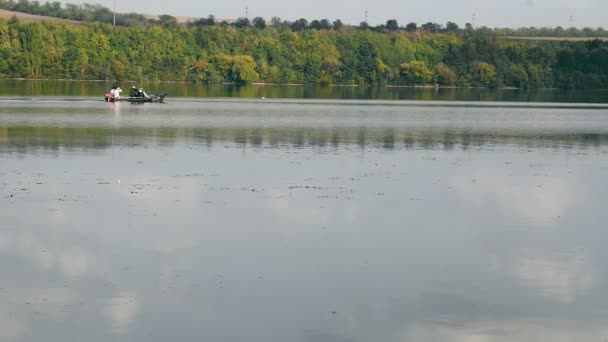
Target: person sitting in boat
<point x="143" y="93"/>
<point x="110" y="96"/>
<point x="134" y="92"/>
<point x="115" y="92"/>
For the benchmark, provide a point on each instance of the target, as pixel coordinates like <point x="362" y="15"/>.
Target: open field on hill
<point x="570" y="39"/>
<point x="32" y="17"/>
<point x="38" y="18"/>
<point x="186" y="20"/>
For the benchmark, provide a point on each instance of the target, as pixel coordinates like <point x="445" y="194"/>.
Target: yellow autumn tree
<point x="416" y="72"/>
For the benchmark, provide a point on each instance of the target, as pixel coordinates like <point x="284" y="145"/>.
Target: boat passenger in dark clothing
<point x="134" y="92"/>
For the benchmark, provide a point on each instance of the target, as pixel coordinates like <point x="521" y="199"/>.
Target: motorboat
<point x="160" y="97"/>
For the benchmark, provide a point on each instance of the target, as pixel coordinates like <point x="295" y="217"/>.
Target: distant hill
<point x="38" y="18"/>
<point x="186" y="20"/>
<point x="571" y="39"/>
<point x="32" y="17"/>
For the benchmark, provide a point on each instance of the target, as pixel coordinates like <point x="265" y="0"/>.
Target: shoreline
<point x="262" y="84"/>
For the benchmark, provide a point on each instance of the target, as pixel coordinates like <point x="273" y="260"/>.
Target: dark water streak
<point x="97" y="89"/>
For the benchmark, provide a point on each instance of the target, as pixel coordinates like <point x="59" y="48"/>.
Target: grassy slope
<point x="32" y="17"/>
<point x="571" y="39"/>
<point x="38" y="18"/>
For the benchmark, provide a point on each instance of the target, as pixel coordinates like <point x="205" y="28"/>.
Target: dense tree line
<point x="277" y="53"/>
<point x="558" y="31"/>
<point x="99" y="13"/>
<point x="453" y="28"/>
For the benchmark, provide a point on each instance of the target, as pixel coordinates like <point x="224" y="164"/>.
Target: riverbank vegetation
<point x="317" y="52"/>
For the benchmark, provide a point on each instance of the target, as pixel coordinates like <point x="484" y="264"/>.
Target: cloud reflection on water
<point x="418" y="228"/>
<point x="516" y="329"/>
<point x="122" y="311"/>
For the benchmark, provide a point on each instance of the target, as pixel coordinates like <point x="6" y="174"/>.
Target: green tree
<point x="516" y="76"/>
<point x="431" y="27"/>
<point x="209" y="21"/>
<point x="444" y="75"/>
<point x="242" y="22"/>
<point x="483" y="73"/>
<point x="259" y="23"/>
<point x="238" y="69"/>
<point x="411" y="27"/>
<point x="392" y="25"/>
<point x="299" y="25"/>
<point x="167" y="20"/>
<point x="416" y="72"/>
<point x="451" y="27"/>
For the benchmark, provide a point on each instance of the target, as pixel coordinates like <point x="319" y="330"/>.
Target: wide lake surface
<point x="302" y="220"/>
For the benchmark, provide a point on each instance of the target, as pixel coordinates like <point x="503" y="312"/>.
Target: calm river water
<point x="302" y="220"/>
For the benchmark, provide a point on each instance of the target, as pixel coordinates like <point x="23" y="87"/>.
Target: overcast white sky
<point x="494" y="13"/>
